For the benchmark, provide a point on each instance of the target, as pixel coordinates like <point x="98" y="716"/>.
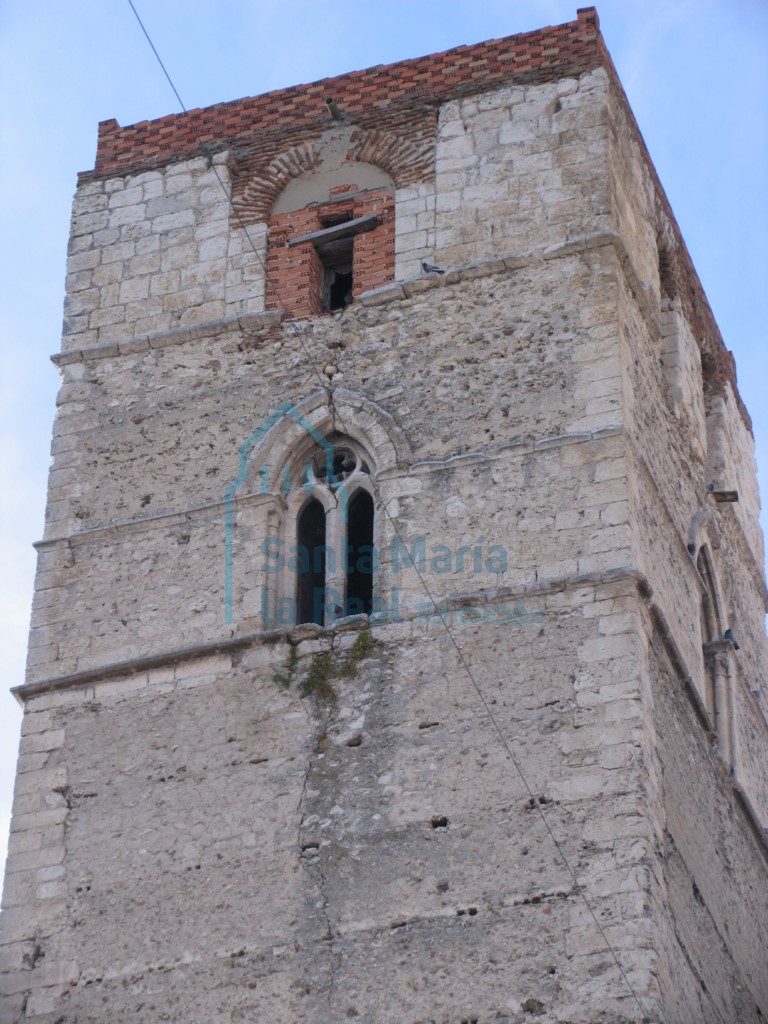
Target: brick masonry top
<point x="555" y="52"/>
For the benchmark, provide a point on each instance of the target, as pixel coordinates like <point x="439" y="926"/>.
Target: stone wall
<point x="708" y="867"/>
<point x="366" y="848"/>
<point x="705" y="750"/>
<point x="142" y="478"/>
<point x="217" y="813"/>
<point x="151" y="252"/>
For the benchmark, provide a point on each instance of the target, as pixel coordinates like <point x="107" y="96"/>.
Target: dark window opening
<point x="708" y="631"/>
<point x="339" y="284"/>
<point x="345" y="463"/>
<point x="360" y="555"/>
<point x="310" y="585"/>
<point x="336" y="257"/>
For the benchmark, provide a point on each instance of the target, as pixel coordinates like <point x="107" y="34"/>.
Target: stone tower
<point x="398" y="634"/>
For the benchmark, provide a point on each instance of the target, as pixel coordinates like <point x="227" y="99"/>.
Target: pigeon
<point x="428" y="268"/>
<point x="728" y="635"/>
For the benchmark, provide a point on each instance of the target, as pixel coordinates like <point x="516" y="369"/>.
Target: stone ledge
<point x="225" y="645"/>
<point x="378" y="296"/>
<point x="574" y="245"/>
<point x="759" y="828"/>
<point x="517" y="261"/>
<point x="150" y="661"/>
<point x="163" y="339"/>
<point x="393" y="292"/>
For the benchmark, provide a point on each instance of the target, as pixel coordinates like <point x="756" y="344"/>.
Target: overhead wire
<point x="290" y="324"/>
<point x="226" y="192"/>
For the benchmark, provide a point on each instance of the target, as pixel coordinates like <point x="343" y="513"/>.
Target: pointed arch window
<point x="359" y="573"/>
<point x="310" y="585"/>
<point x="335" y="531"/>
<point x="710" y="627"/>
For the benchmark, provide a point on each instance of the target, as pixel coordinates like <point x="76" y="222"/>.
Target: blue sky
<point x="695" y="72"/>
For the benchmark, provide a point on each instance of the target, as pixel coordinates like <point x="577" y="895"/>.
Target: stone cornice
<point x="234" y="642"/>
<point x="163" y="339"/>
<point x="397" y="291"/>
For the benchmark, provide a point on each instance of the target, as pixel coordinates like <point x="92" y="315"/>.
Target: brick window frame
<point x="296" y="273"/>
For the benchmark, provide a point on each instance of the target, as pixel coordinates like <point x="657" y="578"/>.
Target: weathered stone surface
<point x="536" y="789"/>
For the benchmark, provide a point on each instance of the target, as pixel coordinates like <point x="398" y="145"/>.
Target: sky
<point x="695" y="72"/>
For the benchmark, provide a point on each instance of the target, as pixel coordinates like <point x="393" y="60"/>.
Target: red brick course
<point x="556" y="52"/>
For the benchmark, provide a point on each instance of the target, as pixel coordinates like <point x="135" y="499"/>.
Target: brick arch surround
<point x="262" y="188"/>
<point x="351" y="171"/>
<point x="405" y="158"/>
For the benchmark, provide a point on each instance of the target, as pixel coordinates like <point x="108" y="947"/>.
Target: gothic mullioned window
<point x="334" y="548"/>
<point x="310" y="519"/>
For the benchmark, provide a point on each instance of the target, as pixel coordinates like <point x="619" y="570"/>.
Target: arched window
<point x="335" y="548"/>
<point x="360" y="554"/>
<point x="717" y="697"/>
<point x="310" y="562"/>
<point x="331" y="238"/>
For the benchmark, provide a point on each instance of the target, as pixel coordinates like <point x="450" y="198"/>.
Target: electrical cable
<point x="225" y="190"/>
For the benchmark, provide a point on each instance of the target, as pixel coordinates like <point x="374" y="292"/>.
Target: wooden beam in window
<point x="344" y="230"/>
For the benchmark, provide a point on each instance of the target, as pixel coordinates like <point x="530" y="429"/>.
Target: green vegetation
<point x="317" y="680"/>
<point x="361" y="648"/>
<point x="283" y="679"/>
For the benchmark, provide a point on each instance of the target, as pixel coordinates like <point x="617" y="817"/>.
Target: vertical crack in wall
<point x="309" y="841"/>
